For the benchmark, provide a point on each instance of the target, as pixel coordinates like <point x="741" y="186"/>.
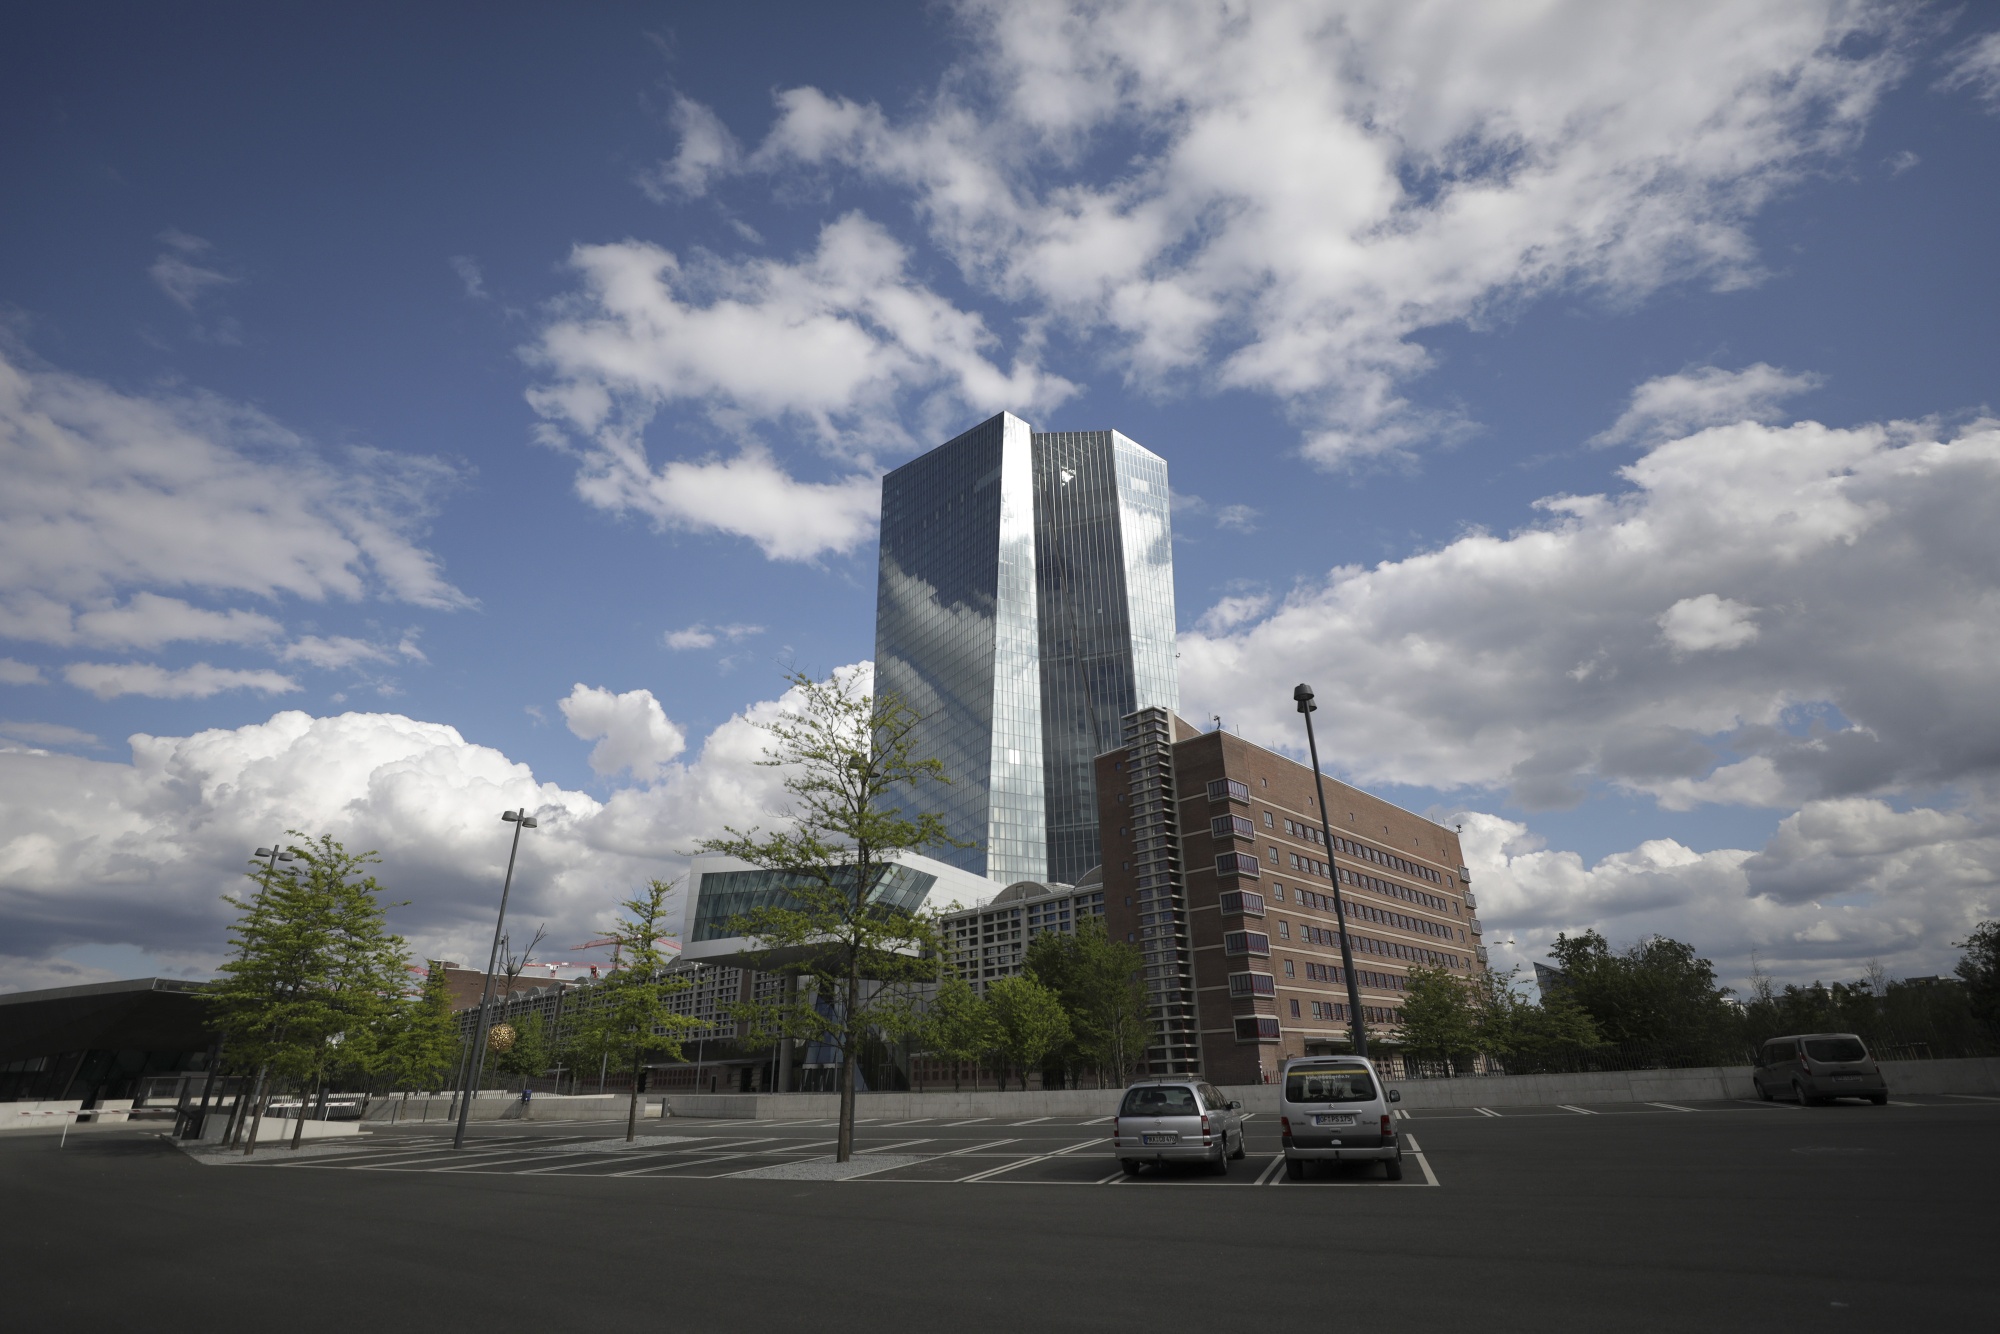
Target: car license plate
<point x="1326" y="1120"/>
<point x="1847" y="1079"/>
<point x="1161" y="1139"/>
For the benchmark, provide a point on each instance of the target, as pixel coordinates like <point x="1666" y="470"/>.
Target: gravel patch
<point x="826" y="1169"/>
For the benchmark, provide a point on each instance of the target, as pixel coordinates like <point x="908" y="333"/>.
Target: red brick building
<point x="1215" y="865"/>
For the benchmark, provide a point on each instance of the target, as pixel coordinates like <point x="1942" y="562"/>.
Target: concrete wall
<point x="493" y="1106"/>
<point x="1980" y="1076"/>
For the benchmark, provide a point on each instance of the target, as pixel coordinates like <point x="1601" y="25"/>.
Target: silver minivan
<point x="1335" y="1110"/>
<point x="1818" y="1067"/>
<point x="1176" y="1121"/>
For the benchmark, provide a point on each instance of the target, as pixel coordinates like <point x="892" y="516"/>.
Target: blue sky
<point x="422" y="413"/>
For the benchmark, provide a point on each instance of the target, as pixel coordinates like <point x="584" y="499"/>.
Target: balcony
<point x="1253" y="943"/>
<point x="1231" y="826"/>
<point x="1242" y="902"/>
<point x="1472" y="925"/>
<point x="1252" y="984"/>
<point x="1257" y="1028"/>
<point x="1228" y="789"/>
<point x="1238" y="863"/>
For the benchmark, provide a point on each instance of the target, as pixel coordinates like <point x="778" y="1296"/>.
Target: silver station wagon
<point x="1176" y="1121"/>
<point x="1335" y="1111"/>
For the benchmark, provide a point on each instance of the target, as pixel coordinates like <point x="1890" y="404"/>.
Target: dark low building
<point x="97" y="1042"/>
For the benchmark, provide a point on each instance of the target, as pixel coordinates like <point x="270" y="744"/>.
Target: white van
<point x="1333" y="1110"/>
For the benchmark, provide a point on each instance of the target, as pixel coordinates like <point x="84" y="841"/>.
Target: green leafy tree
<point x="1979" y="970"/>
<point x="531" y="1053"/>
<point x="316" y="966"/>
<point x="1098" y="980"/>
<point x="1438" y="1019"/>
<point x="848" y="760"/>
<point x="958" y="1026"/>
<point x="1529" y="1038"/>
<point x="421" y="1045"/>
<point x="1029" y="1019"/>
<point x="627" y="1017"/>
<point x="1657" y="994"/>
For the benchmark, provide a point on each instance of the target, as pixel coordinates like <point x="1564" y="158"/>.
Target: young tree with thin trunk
<point x="1030" y="1021"/>
<point x="849" y="760"/>
<point x="1437" y="1016"/>
<point x="958" y="1026"/>
<point x="627" y="1017"/>
<point x="421" y="1046"/>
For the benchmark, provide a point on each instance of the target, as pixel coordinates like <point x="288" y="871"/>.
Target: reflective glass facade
<point x="1025" y="605"/>
<point x="723" y="896"/>
<point x="955" y="637"/>
<point x="1104" y="579"/>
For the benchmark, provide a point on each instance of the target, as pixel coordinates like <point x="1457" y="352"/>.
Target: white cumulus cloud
<point x="633" y="733"/>
<point x="701" y="635"/>
<point x="139" y="852"/>
<point x="1280" y="197"/>
<point x="108" y="680"/>
<point x="1674" y="405"/>
<point x="837" y="345"/>
<point x="1832" y="613"/>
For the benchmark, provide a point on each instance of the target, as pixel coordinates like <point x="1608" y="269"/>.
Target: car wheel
<point x="1763" y="1092"/>
<point x="1295" y="1169"/>
<point x="1131" y="1166"/>
<point x="1242" y="1148"/>
<point x="1879" y="1099"/>
<point x="1393" y="1169"/>
<point x="1799" y="1092"/>
<point x="1220" y="1167"/>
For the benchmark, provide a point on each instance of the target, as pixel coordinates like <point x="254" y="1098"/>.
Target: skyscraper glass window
<point x="1024" y="607"/>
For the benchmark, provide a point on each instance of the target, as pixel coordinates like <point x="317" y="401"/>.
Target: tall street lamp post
<point x="520" y="820"/>
<point x="1303" y="695"/>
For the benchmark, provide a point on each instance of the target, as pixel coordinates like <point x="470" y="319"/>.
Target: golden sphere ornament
<point x="500" y="1038"/>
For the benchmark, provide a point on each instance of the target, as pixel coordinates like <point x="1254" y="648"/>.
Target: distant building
<point x="988" y="941"/>
<point x="1024" y="605"/>
<point x="1215" y="866"/>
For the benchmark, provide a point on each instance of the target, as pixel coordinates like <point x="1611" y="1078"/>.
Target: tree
<point x="1656" y="994"/>
<point x="1437" y="1016"/>
<point x="420" y="1045"/>
<point x="530" y="1052"/>
<point x="315" y="965"/>
<point x="842" y="922"/>
<point x="1029" y="1020"/>
<point x="1098" y="982"/>
<point x="1979" y="969"/>
<point x="958" y="1026"/>
<point x="1529" y="1038"/>
<point x="627" y="1016"/>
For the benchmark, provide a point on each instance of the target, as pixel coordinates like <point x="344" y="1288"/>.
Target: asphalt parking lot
<point x="1629" y="1216"/>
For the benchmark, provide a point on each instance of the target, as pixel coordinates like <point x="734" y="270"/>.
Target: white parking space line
<point x="1486" y="1111"/>
<point x="1425" y="1163"/>
<point x="1098" y="1122"/>
<point x="1036" y="1121"/>
<point x="1270" y="1174"/>
<point x="917" y="1122"/>
<point x="1670" y="1106"/>
<point x="1580" y="1111"/>
<point x="1024" y="1162"/>
<point x="978" y="1148"/>
<point x="1108" y="1180"/>
<point x="977" y="1120"/>
<point x="884" y="1148"/>
<point x="1976" y="1097"/>
<point x="1894" y="1103"/>
<point x="1411" y="1140"/>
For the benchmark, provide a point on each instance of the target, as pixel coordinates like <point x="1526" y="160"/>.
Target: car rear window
<point x="1339" y="1084"/>
<point x="1836" y="1049"/>
<point x="1159" y="1100"/>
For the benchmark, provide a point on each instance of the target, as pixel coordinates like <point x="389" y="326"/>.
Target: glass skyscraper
<point x="1025" y="605"/>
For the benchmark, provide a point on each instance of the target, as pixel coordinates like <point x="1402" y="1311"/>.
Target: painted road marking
<point x="884" y="1148"/>
<point x="1269" y="1175"/>
<point x="1486" y="1111"/>
<point x="1670" y="1106"/>
<point x="973" y="1122"/>
<point x="1023" y="1162"/>
<point x="1580" y="1111"/>
<point x="1036" y="1121"/>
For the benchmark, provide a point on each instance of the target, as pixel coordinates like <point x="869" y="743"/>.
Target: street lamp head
<point x="1303" y="693"/>
<point x="521" y="818"/>
<point x="529" y="822"/>
<point x="263" y="852"/>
